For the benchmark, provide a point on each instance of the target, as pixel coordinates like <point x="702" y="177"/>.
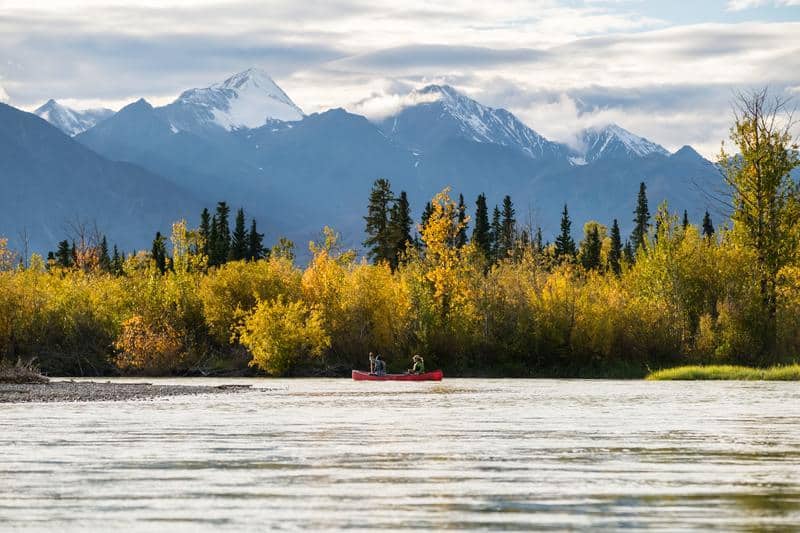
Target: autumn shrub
<point x="149" y="348"/>
<point x="282" y="333"/>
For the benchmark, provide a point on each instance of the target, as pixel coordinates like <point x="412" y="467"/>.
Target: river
<point x="485" y="454"/>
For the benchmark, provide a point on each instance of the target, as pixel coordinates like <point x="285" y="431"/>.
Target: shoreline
<point x="97" y="391"/>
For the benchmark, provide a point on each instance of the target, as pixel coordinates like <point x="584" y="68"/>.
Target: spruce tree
<point x="426" y="214"/>
<point x="496" y="234"/>
<point x="205" y="231"/>
<point x="213" y="237"/>
<point x="508" y="228"/>
<point x="255" y="243"/>
<point x="685" y="223"/>
<point x="159" y="252"/>
<point x="105" y="259"/>
<point x="590" y="248"/>
<point x="708" y="226"/>
<point x="379" y="242"/>
<point x="63" y="254"/>
<point x="641" y="219"/>
<point x="400" y="223"/>
<point x="461" y="235"/>
<point x="116" y="262"/>
<point x="565" y="246"/>
<point x="481" y="232"/>
<point x="538" y="243"/>
<point x="615" y="252"/>
<point x="239" y="239"/>
<point x="220" y="235"/>
<point x="627" y="253"/>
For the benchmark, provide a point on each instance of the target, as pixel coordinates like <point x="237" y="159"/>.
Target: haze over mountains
<point x="243" y="140"/>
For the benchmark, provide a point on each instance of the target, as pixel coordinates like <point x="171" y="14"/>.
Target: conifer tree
<point x="239" y="239"/>
<point x="565" y="246"/>
<point x="508" y="228"/>
<point x="255" y="244"/>
<point x="627" y="253"/>
<point x="213" y="237"/>
<point x="708" y="226"/>
<point x="105" y="259"/>
<point x="591" y="247"/>
<point x="538" y="242"/>
<point x="205" y="231"/>
<point x="63" y="254"/>
<point x="496" y="233"/>
<point x="615" y="252"/>
<point x="400" y="223"/>
<point x="685" y="223"/>
<point x="641" y="219"/>
<point x="481" y="232"/>
<point x="379" y="242"/>
<point x="426" y="214"/>
<point x="221" y="235"/>
<point x="116" y="262"/>
<point x="461" y="235"/>
<point x="159" y="252"/>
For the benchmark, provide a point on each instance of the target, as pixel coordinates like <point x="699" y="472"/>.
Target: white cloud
<point x="3" y="95"/>
<point x="741" y="5"/>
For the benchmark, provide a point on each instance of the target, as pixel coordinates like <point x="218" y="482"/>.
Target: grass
<point x="728" y="372"/>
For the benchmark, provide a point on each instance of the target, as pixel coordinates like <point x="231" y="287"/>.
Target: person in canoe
<point x="419" y="365"/>
<point x="380" y="366"/>
<point x="371" y="363"/>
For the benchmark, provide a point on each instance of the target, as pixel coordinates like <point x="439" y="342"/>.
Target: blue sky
<point x="666" y="70"/>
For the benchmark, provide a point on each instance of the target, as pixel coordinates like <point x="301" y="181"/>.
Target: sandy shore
<point x="95" y="391"/>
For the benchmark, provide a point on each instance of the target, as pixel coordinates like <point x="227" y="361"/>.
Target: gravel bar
<point x="92" y="391"/>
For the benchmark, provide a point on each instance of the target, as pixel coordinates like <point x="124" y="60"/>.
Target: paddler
<point x="371" y="363"/>
<point x="419" y="365"/>
<point x="380" y="366"/>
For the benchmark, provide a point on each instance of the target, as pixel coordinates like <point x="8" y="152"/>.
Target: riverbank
<point x="93" y="391"/>
<point x="728" y="372"/>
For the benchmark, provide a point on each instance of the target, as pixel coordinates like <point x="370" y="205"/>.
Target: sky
<point x="666" y="70"/>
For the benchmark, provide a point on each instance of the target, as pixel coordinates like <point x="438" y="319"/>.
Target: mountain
<point x="296" y="173"/>
<point x="51" y="181"/>
<point x="613" y="142"/>
<point x="248" y="99"/>
<point x="444" y="113"/>
<point x="70" y="121"/>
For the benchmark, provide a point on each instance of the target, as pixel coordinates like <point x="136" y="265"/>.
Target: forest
<point x="476" y="294"/>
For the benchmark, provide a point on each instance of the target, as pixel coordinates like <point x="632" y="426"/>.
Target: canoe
<point x="434" y="375"/>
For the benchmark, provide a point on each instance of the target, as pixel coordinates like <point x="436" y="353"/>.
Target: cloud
<point x="3" y="95"/>
<point x="741" y="5"/>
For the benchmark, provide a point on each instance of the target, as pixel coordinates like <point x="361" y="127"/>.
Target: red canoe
<point x="435" y="375"/>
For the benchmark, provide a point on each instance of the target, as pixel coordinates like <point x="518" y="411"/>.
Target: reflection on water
<point x="462" y="454"/>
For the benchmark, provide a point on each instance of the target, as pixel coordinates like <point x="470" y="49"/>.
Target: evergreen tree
<point x="591" y="248"/>
<point x="538" y="244"/>
<point x="461" y="235"/>
<point x="708" y="226"/>
<point x="51" y="259"/>
<point x="63" y="254"/>
<point x="239" y="240"/>
<point x="481" y="232"/>
<point x="508" y="228"/>
<point x="565" y="246"/>
<point x="212" y="245"/>
<point x="685" y="223"/>
<point x="255" y="244"/>
<point x="496" y="233"/>
<point x="615" y="252"/>
<point x="105" y="259"/>
<point x="379" y="242"/>
<point x="641" y="219"/>
<point x="400" y="223"/>
<point x="159" y="252"/>
<point x="116" y="262"/>
<point x="627" y="253"/>
<point x="426" y="214"/>
<point x="205" y="231"/>
<point x="221" y="234"/>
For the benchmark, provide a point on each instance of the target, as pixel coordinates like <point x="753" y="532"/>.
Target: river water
<point x="461" y="454"/>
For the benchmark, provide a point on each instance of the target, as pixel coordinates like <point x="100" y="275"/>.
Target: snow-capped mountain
<point x="614" y="142"/>
<point x="443" y="113"/>
<point x="71" y="121"/>
<point x="248" y="99"/>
